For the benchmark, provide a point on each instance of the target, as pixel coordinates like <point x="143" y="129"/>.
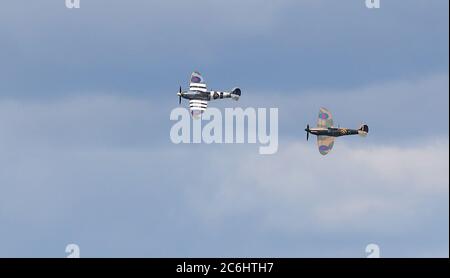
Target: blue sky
<point x="86" y="158"/>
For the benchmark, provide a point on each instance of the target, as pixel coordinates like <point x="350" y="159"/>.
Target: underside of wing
<point x="325" y="144"/>
<point x="197" y="82"/>
<point x="325" y="119"/>
<point x="197" y="107"/>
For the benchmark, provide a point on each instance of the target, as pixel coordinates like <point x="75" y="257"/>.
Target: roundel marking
<point x="196" y="79"/>
<point x="323" y="116"/>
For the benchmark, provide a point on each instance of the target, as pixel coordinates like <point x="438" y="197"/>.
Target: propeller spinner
<point x="179" y="95"/>
<point x="307" y="132"/>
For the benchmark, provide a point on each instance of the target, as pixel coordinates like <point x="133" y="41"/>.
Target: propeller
<point x="307" y="132"/>
<point x="179" y="95"/>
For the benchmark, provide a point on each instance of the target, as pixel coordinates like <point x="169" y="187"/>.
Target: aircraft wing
<point x="325" y="144"/>
<point x="325" y="119"/>
<point x="197" y="107"/>
<point x="197" y="82"/>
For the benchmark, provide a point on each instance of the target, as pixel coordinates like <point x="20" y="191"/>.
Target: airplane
<point x="326" y="132"/>
<point x="198" y="95"/>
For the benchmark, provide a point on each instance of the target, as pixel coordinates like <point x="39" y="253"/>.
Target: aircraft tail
<point x="235" y="93"/>
<point x="363" y="130"/>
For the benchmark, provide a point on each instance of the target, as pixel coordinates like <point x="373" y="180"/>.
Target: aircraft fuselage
<point x="207" y="96"/>
<point x="196" y="95"/>
<point x="333" y="131"/>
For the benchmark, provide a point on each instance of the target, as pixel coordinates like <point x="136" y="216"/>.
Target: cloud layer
<point x="141" y="46"/>
<point x="100" y="171"/>
<point x="85" y="154"/>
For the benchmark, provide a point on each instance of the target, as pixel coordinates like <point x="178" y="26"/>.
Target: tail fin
<point x="235" y="93"/>
<point x="363" y="130"/>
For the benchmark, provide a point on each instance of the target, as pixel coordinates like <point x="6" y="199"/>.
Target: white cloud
<point x="107" y="162"/>
<point x="399" y="111"/>
<point x="298" y="190"/>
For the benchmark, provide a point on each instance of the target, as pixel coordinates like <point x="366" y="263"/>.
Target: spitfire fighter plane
<point x="198" y="95"/>
<point x="326" y="132"/>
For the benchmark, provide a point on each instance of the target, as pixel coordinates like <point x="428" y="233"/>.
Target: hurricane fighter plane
<point x="326" y="132"/>
<point x="199" y="95"/>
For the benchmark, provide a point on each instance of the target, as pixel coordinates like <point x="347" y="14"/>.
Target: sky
<point x="86" y="156"/>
